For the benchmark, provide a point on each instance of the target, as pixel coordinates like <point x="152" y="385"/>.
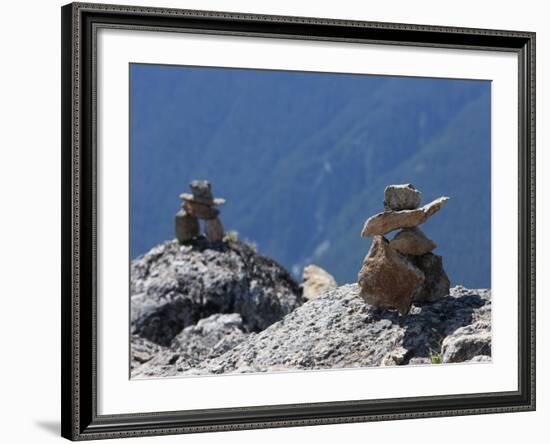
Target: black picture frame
<point x="79" y="211"/>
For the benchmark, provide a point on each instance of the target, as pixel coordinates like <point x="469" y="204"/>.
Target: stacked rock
<point x="395" y="273"/>
<point x="199" y="204"/>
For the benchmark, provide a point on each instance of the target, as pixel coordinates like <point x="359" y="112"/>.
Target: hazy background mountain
<point x="303" y="159"/>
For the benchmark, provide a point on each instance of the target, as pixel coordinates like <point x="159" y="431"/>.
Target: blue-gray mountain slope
<point x="303" y="159"/>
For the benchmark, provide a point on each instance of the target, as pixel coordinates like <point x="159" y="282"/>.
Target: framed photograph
<point x="281" y="221"/>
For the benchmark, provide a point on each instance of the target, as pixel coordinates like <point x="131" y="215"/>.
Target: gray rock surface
<point x="142" y="351"/>
<point x="173" y="286"/>
<point x="401" y="197"/>
<point x="339" y="330"/>
<point x="209" y="338"/>
<point x="480" y="358"/>
<point x="467" y="343"/>
<point x="383" y="223"/>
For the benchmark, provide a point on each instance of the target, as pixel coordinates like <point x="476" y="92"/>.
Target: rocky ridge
<point x="335" y="330"/>
<point x="213" y="307"/>
<point x="175" y="285"/>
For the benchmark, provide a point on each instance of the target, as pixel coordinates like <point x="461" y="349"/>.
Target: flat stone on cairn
<point x="202" y="194"/>
<point x="200" y="210"/>
<point x="199" y="204"/>
<point x="395" y="273"/>
<point x="383" y="223"/>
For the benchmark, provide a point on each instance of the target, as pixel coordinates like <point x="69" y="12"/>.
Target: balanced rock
<point x="387" y="221"/>
<point x="202" y="211"/>
<point x="316" y="282"/>
<point x="187" y="226"/>
<point x="200" y="204"/>
<point x="436" y="284"/>
<point x="387" y="278"/>
<point x="412" y="241"/>
<point x="213" y="230"/>
<point x="401" y="197"/>
<point x="202" y="193"/>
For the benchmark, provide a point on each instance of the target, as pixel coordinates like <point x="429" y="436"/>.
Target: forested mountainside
<point x="303" y="159"/>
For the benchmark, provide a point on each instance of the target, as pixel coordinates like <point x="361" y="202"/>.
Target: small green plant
<point x="435" y="358"/>
<point x="231" y="236"/>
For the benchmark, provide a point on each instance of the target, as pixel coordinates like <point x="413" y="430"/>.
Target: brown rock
<point x="213" y="229"/>
<point x="387" y="279"/>
<point x="412" y="241"/>
<point x="316" y="281"/>
<point x="436" y="283"/>
<point x="387" y="221"/>
<point x="187" y="226"/>
<point x="202" y="211"/>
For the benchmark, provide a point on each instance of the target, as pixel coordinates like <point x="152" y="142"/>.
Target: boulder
<point x="383" y="223"/>
<point x="387" y="278"/>
<point x="401" y="197"/>
<point x="467" y="343"/>
<point x="213" y="229"/>
<point x="187" y="226"/>
<point x="436" y="283"/>
<point x="316" y="281"/>
<point x="338" y="330"/>
<point x="412" y="241"/>
<point x="173" y="286"/>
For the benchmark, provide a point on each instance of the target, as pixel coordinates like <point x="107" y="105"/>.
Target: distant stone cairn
<point x="395" y="273"/>
<point x="199" y="204"/>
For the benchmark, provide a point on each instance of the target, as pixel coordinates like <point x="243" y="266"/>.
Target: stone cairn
<point x="199" y="204"/>
<point x="398" y="272"/>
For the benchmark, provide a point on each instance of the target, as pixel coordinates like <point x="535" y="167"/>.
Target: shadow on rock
<point x="428" y="324"/>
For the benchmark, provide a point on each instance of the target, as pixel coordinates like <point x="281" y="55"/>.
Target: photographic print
<point x="268" y="220"/>
<point x="294" y="221"/>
